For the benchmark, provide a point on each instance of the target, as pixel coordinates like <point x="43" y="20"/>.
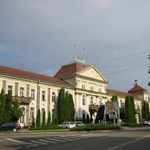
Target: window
<point x="32" y="93"/>
<point x="91" y="101"/>
<point x="53" y="110"/>
<point x="83" y="86"/>
<point x="91" y="88"/>
<point x="122" y="104"/>
<point x="100" y="101"/>
<point x="43" y="109"/>
<point x="99" y="90"/>
<point x="83" y="113"/>
<point x="9" y="87"/>
<point x="53" y="96"/>
<point x="83" y="100"/>
<point x="21" y="91"/>
<point x="43" y="95"/>
<point x="32" y="112"/>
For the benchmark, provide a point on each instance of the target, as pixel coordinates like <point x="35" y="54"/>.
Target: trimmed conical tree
<point x="128" y="110"/>
<point x="2" y="107"/>
<point x="43" y="119"/>
<point x="49" y="119"/>
<point x="132" y="109"/>
<point x="67" y="107"/>
<point x="8" y="107"/>
<point x="71" y="108"/>
<point x="83" y="117"/>
<point x="53" y="119"/>
<point x="38" y="119"/>
<point x="61" y="106"/>
<point x="87" y="120"/>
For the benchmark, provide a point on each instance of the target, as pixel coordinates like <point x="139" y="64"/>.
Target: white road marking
<point x="46" y="141"/>
<point x="17" y="141"/>
<point x="64" y="138"/>
<point x="129" y="142"/>
<point x="38" y="142"/>
<point x="52" y="139"/>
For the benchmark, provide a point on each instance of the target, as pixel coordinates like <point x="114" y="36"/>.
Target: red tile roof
<point x="26" y="74"/>
<point x="68" y="70"/>
<point x="119" y="93"/>
<point x="137" y="89"/>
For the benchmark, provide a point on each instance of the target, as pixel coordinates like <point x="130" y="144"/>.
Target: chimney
<point x="136" y="83"/>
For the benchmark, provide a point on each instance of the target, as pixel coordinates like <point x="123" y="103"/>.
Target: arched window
<point x="83" y="99"/>
<point x="91" y="101"/>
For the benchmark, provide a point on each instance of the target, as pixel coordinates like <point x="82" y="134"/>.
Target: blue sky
<point x="39" y="36"/>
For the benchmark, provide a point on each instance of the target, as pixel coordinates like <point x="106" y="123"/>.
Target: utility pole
<point x="149" y="70"/>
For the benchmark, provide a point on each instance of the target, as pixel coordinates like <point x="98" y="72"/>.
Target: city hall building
<point x="86" y="84"/>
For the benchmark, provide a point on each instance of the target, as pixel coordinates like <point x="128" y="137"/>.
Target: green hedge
<point x="96" y="126"/>
<point x="47" y="128"/>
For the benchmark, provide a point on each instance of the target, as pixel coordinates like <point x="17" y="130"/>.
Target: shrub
<point x="96" y="126"/>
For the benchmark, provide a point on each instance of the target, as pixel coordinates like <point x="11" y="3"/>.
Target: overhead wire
<point x="121" y="58"/>
<point x="126" y="69"/>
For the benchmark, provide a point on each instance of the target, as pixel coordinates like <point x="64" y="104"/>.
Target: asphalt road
<point x="129" y="139"/>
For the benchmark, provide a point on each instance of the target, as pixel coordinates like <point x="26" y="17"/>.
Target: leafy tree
<point x="100" y="112"/>
<point x="145" y="110"/>
<point x="49" y="119"/>
<point x="2" y="107"/>
<point x="38" y="119"/>
<point x="122" y="113"/>
<point x="16" y="112"/>
<point x="8" y="107"/>
<point x="57" y="121"/>
<point x="87" y="118"/>
<point x="43" y="119"/>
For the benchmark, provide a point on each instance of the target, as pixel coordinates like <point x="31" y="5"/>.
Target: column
<point x="27" y="90"/>
<point x="80" y="106"/>
<point x="76" y="107"/>
<point x="38" y="97"/>
<point x="4" y="86"/>
<point x="48" y="102"/>
<point x="87" y="105"/>
<point x="16" y="88"/>
<point x="87" y="84"/>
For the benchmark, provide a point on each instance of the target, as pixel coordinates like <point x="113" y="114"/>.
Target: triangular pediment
<point x="92" y="72"/>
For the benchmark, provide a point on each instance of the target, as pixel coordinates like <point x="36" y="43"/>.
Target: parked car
<point x="22" y="125"/>
<point x="67" y="125"/>
<point x="120" y="123"/>
<point x="79" y="123"/>
<point x="147" y="122"/>
<point x="9" y="126"/>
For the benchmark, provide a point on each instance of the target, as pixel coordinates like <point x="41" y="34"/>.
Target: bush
<point x="26" y="127"/>
<point x="47" y="128"/>
<point x="96" y="126"/>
